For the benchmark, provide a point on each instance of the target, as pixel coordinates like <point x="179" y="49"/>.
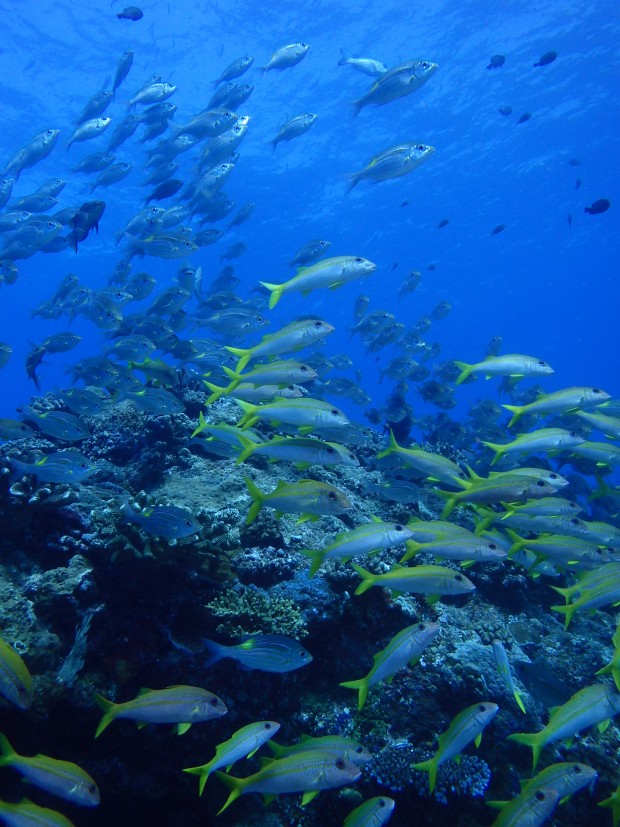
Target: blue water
<point x="546" y="288"/>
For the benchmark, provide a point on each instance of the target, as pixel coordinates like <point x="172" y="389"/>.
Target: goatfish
<point x="305" y="413"/>
<point x="433" y="466"/>
<point x="330" y="272"/>
<point x="243" y="744"/>
<point x="280" y="372"/>
<point x="364" y="539"/>
<point x="604" y="592"/>
<point x="613" y="803"/>
<point x="565" y="777"/>
<point x="511" y="364"/>
<point x="27" y="814"/>
<point x="608" y="425"/>
<point x="179" y="705"/>
<point x="372" y="813"/>
<point x="337" y="744"/>
<point x="466" y="548"/>
<point x="15" y="679"/>
<point x="294" y="336"/>
<point x="392" y="163"/>
<point x="613" y="667"/>
<point x="502" y="664"/>
<point x="406" y="647"/>
<point x="430" y="580"/>
<point x="594" y="705"/>
<point x="304" y="451"/>
<point x="267" y="653"/>
<point x="309" y="498"/>
<point x="530" y="808"/>
<point x="564" y="401"/>
<point x="308" y="772"/>
<point x="467" y="726"/>
<point x="507" y="489"/>
<point x="61" y="778"/>
<point x="562" y="549"/>
<point x="542" y="440"/>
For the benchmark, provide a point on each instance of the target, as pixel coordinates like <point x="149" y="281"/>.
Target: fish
<point x="363" y="539"/>
<point x="308" y="772"/>
<point x="467" y="726"/>
<point x="27" y="814"/>
<point x="373" y="812"/>
<point x="565" y="777"/>
<point x="309" y="498"/>
<point x="62" y="466"/>
<point x="613" y="667"/>
<point x="61" y="778"/>
<point x="164" y="190"/>
<point x="612" y="802"/>
<point x="85" y="220"/>
<point x="6" y="188"/>
<point x="502" y="664"/>
<point x="467" y="549"/>
<point x="130" y="13"/>
<point x="429" y="580"/>
<point x="294" y="127"/>
<point x="443" y="223"/>
<point x="392" y="163"/>
<point x="244" y="743"/>
<point x="529" y="808"/>
<point x="306" y="414"/>
<point x="153" y="93"/>
<point x="266" y="653"/>
<point x="496" y="62"/>
<point x="286" y="57"/>
<point x="331" y="273"/>
<point x="399" y="81"/>
<point x="567" y="400"/>
<point x="290" y="338"/>
<point x="168" y="521"/>
<point x="546" y="59"/>
<point x="60" y="425"/>
<point x="524" y="117"/>
<point x="602" y="590"/>
<point x="309" y="253"/>
<point x="303" y="451"/>
<point x="11" y="429"/>
<point x="544" y="439"/>
<point x="122" y="70"/>
<point x="60" y="342"/>
<point x="38" y="149"/>
<point x="348" y="748"/>
<point x="433" y="466"/>
<point x="89" y="129"/>
<point x="235" y="69"/>
<point x="15" y="679"/>
<point x="594" y="705"/>
<point x="179" y="705"/>
<point x="500" y="227"/>
<point x="404" y="648"/>
<point x="511" y="364"/>
<point x="597" y="207"/>
<point x="365" y="65"/>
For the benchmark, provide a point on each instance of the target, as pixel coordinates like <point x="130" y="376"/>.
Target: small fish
<point x="430" y="464"/>
<point x="287" y="56"/>
<point x="122" y="69"/>
<point x="429" y="580"/>
<point x="61" y="778"/>
<point x="308" y="772"/>
<point x="577" y="183"/>
<point x="511" y="364"/>
<point x="27" y="814"/>
<point x="502" y="664"/>
<point x="366" y="65"/>
<point x="567" y="400"/>
<point x="348" y="748"/>
<point x="499" y="229"/>
<point x="524" y="117"/>
<point x="496" y="62"/>
<point x="179" y="705"/>
<point x="399" y="81"/>
<point x="330" y="273"/>
<point x="293" y="128"/>
<point x="164" y="190"/>
<point x="89" y="129"/>
<point x="60" y="425"/>
<point x="15" y="679"/>
<point x="243" y="744"/>
<point x="168" y="521"/>
<point x="235" y="69"/>
<point x="597" y="207"/>
<point x="266" y="653"/>
<point x="505" y="111"/>
<point x="592" y="706"/>
<point x="443" y="223"/>
<point x="309" y="253"/>
<point x="530" y="808"/>
<point x="131" y="13"/>
<point x="39" y="148"/>
<point x="392" y="163"/>
<point x="405" y="203"/>
<point x="61" y="342"/>
<point x="467" y="726"/>
<point x="11" y="429"/>
<point x="406" y="647"/>
<point x="309" y="498"/>
<point x="546" y="59"/>
<point x="372" y="813"/>
<point x="613" y="803"/>
<point x="63" y="466"/>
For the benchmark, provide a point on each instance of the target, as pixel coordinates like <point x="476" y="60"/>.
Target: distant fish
<point x="287" y="56"/>
<point x="505" y="111"/>
<point x="525" y="117"/>
<point x="405" y="203"/>
<point x="131" y="13"/>
<point x="574" y="162"/>
<point x="122" y="70"/>
<point x="599" y="206"/>
<point x="499" y="229"/>
<point x="168" y="521"/>
<point x="546" y="59"/>
<point x="577" y="183"/>
<point x="569" y="218"/>
<point x="496" y="62"/>
<point x="366" y="65"/>
<point x="267" y="653"/>
<point x="443" y="223"/>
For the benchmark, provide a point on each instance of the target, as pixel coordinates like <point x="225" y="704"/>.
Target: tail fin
<point x="519" y="700"/>
<point x="394" y="446"/>
<point x="465" y="371"/>
<point x="277" y="291"/>
<point x="499" y="450"/>
<point x="203" y="772"/>
<point x="344" y="59"/>
<point x="109" y="713"/>
<point x="248" y="418"/>
<point x="352" y="181"/>
<point x="248" y="448"/>
<point x="202" y="424"/>
<point x="216" y="393"/>
<point x="530" y="739"/>
<point x="244" y="354"/>
<point x="236" y="785"/>
<point x="7" y="753"/>
<point x="568" y="610"/>
<point x="412" y="549"/>
<point x="215" y="651"/>
<point x="517" y="412"/>
<point x="257" y="497"/>
<point x="430" y="767"/>
<point x="368" y="579"/>
<point x="362" y="686"/>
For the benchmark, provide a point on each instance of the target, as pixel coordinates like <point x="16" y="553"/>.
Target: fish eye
<point x="321" y="244"/>
<point x="540" y="796"/>
<point x="334" y="411"/>
<point x="596" y="390"/>
<point x="332" y="495"/>
<point x="572" y="433"/>
<point x="574" y="521"/>
<point x="318" y="324"/>
<point x="188" y="523"/>
<point x="576" y="769"/>
<point x="303" y="654"/>
<point x="303" y="368"/>
<point x="481" y="708"/>
<point x="420" y="147"/>
<point x="340" y="764"/>
<point x="381" y="802"/>
<point x="358" y="260"/>
<point x="492" y="546"/>
<point x="92" y="788"/>
<point x="540" y="483"/>
<point x="541" y="363"/>
<point x="398" y="528"/>
<point x="330" y="450"/>
<point x="213" y="702"/>
<point x="267" y="726"/>
<point x="421" y="627"/>
<point x="458" y="577"/>
<point x="425" y="64"/>
<point x="553" y="476"/>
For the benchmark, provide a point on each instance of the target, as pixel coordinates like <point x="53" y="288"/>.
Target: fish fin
<point x="362" y="686"/>
<point x="499" y="450"/>
<point x="215" y="650"/>
<point x="568" y="610"/>
<point x="497" y="805"/>
<point x="477" y="739"/>
<point x="202" y="424"/>
<point x="603" y="725"/>
<point x="236" y="785"/>
<point x="277" y="291"/>
<point x="431" y="599"/>
<point x="465" y="369"/>
<point x="530" y="739"/>
<point x="182" y="728"/>
<point x="7" y="753"/>
<point x="269" y="798"/>
<point x="257" y="497"/>
<point x="309" y="796"/>
<point x="367" y="579"/>
<point x="430" y="767"/>
<point x="519" y="700"/>
<point x="109" y="713"/>
<point x="344" y="59"/>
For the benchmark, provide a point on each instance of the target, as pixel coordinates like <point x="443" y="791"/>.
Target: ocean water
<point x="547" y="283"/>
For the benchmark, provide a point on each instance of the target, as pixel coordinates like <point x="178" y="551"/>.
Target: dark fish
<point x="505" y="111"/>
<point x="599" y="206"/>
<point x="405" y="203"/>
<point x="394" y="266"/>
<point x="131" y="13"/>
<point x="122" y="70"/>
<point x="525" y="117"/>
<point x="499" y="229"/>
<point x="542" y="682"/>
<point x="569" y="218"/>
<point x="165" y="190"/>
<point x="574" y="162"/>
<point x="309" y="253"/>
<point x="443" y="223"/>
<point x="546" y="59"/>
<point x="496" y="62"/>
<point x="432" y="267"/>
<point x="577" y="183"/>
<point x="86" y="219"/>
<point x="33" y="360"/>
